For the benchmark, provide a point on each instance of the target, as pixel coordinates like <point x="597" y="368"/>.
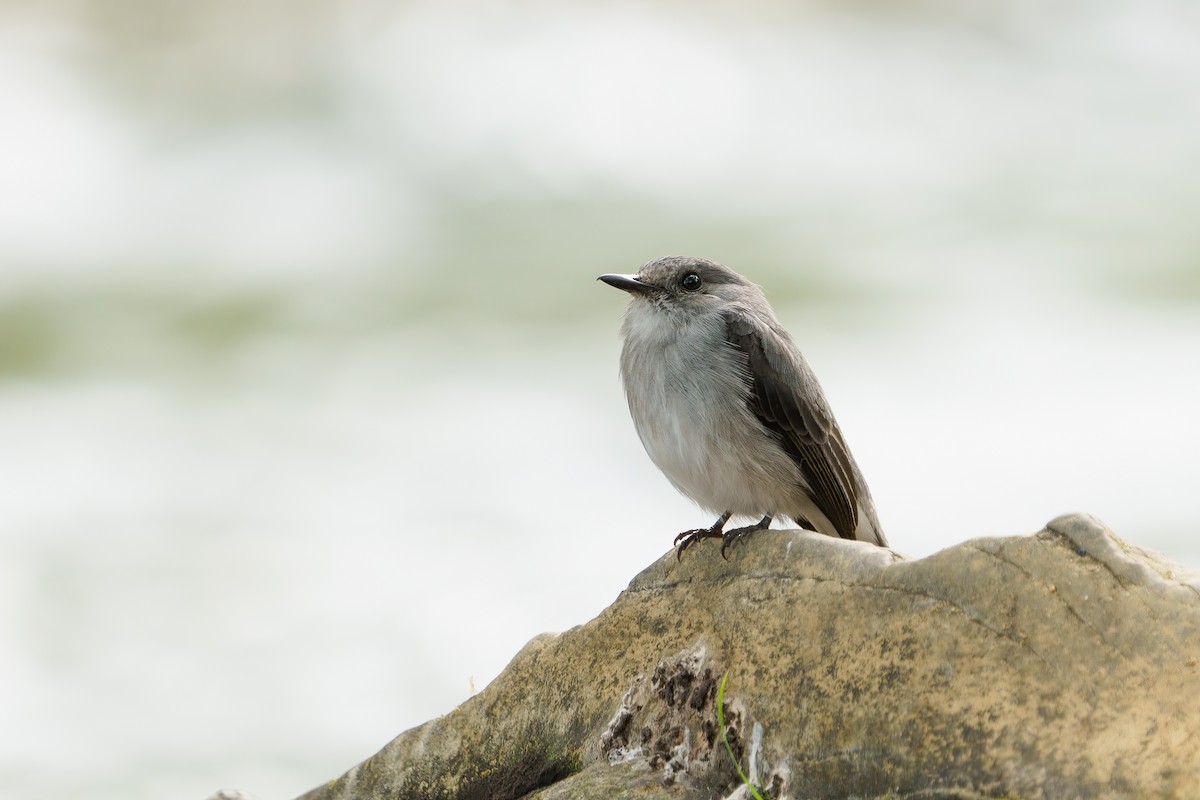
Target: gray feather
<point x="787" y="399"/>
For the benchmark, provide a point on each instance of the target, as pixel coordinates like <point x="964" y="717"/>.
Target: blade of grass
<point x="725" y="739"/>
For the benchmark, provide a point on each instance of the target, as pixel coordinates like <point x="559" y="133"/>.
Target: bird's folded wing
<point x="786" y="398"/>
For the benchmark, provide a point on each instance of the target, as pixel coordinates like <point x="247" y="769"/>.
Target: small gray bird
<point x="728" y="408"/>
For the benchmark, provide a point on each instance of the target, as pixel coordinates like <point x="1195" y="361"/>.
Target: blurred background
<point x="309" y="408"/>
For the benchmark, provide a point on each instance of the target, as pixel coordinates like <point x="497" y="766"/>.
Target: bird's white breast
<point x="687" y="395"/>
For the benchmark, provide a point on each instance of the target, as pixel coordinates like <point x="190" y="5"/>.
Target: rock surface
<point x="1065" y="664"/>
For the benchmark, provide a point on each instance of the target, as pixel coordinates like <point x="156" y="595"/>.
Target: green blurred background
<point x="309" y="415"/>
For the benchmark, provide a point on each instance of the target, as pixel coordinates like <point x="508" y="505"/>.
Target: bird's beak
<point x="628" y="283"/>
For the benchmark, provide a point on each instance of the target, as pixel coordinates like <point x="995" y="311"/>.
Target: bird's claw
<point x="729" y="537"/>
<point x="688" y="538"/>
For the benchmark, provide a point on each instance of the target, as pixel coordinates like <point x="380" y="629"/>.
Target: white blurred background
<point x="309" y="409"/>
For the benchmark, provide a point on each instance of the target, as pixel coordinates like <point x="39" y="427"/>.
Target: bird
<point x="729" y="409"/>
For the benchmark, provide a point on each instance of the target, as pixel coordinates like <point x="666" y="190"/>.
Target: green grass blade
<point x="725" y="739"/>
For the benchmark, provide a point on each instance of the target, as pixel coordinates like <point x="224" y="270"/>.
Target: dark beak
<point x="629" y="283"/>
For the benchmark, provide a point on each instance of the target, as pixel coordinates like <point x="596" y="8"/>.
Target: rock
<point x="1065" y="664"/>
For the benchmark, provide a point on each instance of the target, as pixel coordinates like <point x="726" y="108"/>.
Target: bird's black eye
<point x="690" y="281"/>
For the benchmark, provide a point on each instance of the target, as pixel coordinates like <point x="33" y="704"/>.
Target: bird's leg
<point x="688" y="538"/>
<point x="729" y="537"/>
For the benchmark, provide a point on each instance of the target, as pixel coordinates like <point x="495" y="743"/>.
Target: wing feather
<point x="786" y="398"/>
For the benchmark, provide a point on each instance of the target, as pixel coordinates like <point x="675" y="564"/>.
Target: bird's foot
<point x="686" y="539"/>
<point x="729" y="537"/>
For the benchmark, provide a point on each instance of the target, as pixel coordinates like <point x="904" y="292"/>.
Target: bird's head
<point x="684" y="285"/>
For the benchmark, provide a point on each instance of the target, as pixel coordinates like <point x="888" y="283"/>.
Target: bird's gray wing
<point x="786" y="398"/>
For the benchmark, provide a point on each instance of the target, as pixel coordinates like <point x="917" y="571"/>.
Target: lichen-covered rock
<point x="1060" y="665"/>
